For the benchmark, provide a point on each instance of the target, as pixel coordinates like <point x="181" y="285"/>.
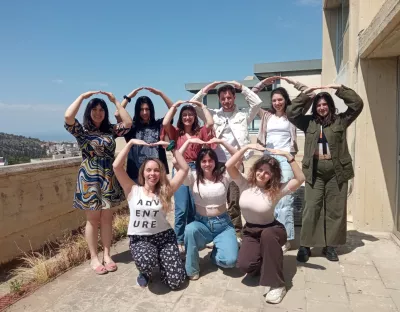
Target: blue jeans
<point x="184" y="208"/>
<point x="204" y="230"/>
<point x="284" y="208"/>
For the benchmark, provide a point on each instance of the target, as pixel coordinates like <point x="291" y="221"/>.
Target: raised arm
<point x="181" y="163"/>
<point x="296" y="111"/>
<point x="298" y="175"/>
<point x="261" y="85"/>
<point x="252" y="99"/>
<point x="303" y="88"/>
<point x="169" y="116"/>
<point x="231" y="164"/>
<point x="124" y="116"/>
<point x="185" y="145"/>
<point x="73" y="109"/>
<point x="165" y="98"/>
<point x="353" y="101"/>
<point x="127" y="99"/>
<point x="209" y="121"/>
<point x="118" y="165"/>
<point x="200" y="95"/>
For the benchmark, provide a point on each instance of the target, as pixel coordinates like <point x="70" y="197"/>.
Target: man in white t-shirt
<point x="231" y="125"/>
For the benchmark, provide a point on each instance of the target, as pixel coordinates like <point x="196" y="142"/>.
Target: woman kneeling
<point x="152" y="240"/>
<point x="209" y="184"/>
<point x="263" y="236"/>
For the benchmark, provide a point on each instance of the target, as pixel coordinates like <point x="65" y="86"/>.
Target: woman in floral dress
<point x="97" y="189"/>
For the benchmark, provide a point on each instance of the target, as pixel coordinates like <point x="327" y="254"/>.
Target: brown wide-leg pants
<point x="261" y="252"/>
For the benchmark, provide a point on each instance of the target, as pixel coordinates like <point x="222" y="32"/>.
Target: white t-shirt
<point x="278" y="133"/>
<point x="209" y="195"/>
<point x="256" y="206"/>
<point x="146" y="214"/>
<point x="228" y="136"/>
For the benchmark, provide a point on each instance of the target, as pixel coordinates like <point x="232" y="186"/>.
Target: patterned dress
<point x="97" y="187"/>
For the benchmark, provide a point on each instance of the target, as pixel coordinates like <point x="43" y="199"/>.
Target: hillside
<point x="19" y="149"/>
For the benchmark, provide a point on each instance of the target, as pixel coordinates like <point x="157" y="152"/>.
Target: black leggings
<point x="161" y="249"/>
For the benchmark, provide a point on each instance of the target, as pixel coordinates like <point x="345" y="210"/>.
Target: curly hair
<point x="195" y="125"/>
<point x="273" y="187"/>
<point x="163" y="187"/>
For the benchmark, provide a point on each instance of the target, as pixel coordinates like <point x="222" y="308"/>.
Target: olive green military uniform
<point x="325" y="211"/>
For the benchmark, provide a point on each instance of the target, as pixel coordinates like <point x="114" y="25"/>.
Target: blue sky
<point x="52" y="51"/>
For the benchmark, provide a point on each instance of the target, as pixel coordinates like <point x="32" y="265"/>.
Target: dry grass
<point x="120" y="225"/>
<point x="70" y="251"/>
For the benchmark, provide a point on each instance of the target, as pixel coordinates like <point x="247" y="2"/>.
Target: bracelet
<point x="171" y="146"/>
<point x="290" y="161"/>
<point x="127" y="98"/>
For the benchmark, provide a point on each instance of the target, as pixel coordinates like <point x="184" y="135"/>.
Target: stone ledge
<point x="40" y="166"/>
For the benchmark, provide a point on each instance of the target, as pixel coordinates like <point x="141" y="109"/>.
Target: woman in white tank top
<point x="152" y="240"/>
<point x="209" y="185"/>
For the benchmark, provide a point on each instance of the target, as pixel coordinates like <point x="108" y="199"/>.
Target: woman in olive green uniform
<point x="327" y="165"/>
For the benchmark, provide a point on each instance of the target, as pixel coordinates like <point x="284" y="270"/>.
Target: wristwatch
<point x="290" y="161"/>
<point x="127" y="98"/>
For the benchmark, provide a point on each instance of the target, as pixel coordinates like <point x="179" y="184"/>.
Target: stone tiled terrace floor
<point x="367" y="278"/>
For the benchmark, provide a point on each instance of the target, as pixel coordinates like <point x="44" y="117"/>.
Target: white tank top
<point x="146" y="214"/>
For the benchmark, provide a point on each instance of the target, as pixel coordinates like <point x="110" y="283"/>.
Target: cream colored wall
<point x="36" y="205"/>
<point x="372" y="138"/>
<point x="376" y="147"/>
<point x="308" y="80"/>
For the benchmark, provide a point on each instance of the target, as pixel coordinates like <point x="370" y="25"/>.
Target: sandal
<point x="100" y="270"/>
<point x="110" y="267"/>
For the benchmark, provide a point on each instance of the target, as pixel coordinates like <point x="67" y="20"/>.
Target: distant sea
<point x="49" y="136"/>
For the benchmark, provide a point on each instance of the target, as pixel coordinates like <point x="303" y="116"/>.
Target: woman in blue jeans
<point x="209" y="184"/>
<point x="276" y="132"/>
<point x="187" y="127"/>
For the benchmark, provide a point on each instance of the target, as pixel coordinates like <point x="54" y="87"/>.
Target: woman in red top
<point x="187" y="127"/>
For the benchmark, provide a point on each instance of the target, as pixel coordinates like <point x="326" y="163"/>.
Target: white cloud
<point x="58" y="81"/>
<point x="31" y="107"/>
<point x="309" y="2"/>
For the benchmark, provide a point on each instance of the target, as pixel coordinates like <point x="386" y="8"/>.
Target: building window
<point x="342" y="26"/>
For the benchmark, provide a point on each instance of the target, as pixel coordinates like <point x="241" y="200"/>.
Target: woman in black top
<point x="147" y="128"/>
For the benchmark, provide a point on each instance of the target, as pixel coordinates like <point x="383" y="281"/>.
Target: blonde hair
<point x="162" y="188"/>
<point x="273" y="187"/>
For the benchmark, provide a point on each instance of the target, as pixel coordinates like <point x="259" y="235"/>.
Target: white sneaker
<point x="286" y="247"/>
<point x="194" y="277"/>
<point x="210" y="245"/>
<point x="275" y="295"/>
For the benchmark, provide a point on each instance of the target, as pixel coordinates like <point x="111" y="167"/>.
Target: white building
<point x="308" y="72"/>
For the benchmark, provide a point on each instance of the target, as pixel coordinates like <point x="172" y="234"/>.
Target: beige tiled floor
<point x="367" y="278"/>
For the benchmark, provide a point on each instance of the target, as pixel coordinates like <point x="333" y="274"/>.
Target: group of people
<point x="211" y="192"/>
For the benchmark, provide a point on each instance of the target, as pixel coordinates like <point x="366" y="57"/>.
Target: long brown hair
<point x="273" y="187"/>
<point x="331" y="117"/>
<point x="163" y="188"/>
<point x="218" y="172"/>
<point x="195" y="126"/>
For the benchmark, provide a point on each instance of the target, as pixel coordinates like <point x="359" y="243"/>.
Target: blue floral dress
<point x="97" y="187"/>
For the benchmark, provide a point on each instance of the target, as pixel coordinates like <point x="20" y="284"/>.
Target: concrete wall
<point x="373" y="137"/>
<point x="36" y="205"/>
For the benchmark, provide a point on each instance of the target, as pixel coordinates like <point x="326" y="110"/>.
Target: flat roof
<point x="292" y="66"/>
<point x="196" y="86"/>
<point x="268" y="69"/>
